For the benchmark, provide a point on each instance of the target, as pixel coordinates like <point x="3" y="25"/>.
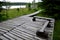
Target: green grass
<point x="57" y="30"/>
<point x="12" y="13"/>
<point x="56" y="35"/>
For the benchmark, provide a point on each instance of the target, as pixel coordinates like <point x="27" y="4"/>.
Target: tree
<point x="1" y="10"/>
<point x="7" y="8"/>
<point x="29" y="6"/>
<point x="2" y="14"/>
<point x="51" y="7"/>
<point x="33" y="4"/>
<point x="1" y="6"/>
<point x="39" y="4"/>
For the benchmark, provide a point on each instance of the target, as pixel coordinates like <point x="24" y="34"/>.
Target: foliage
<point x="1" y="6"/>
<point x="1" y="10"/>
<point x="39" y="5"/>
<point x="51" y="7"/>
<point x="29" y="6"/>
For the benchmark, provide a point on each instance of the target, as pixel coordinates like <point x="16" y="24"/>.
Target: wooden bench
<point x="45" y="18"/>
<point x="41" y="32"/>
<point x="45" y="24"/>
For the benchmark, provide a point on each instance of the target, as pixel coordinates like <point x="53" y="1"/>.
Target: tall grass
<point x="12" y="13"/>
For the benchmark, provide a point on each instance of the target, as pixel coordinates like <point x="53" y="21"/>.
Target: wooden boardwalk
<point x="24" y="28"/>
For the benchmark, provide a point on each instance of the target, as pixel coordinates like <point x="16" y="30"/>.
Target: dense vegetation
<point x="51" y="8"/>
<point x="1" y="10"/>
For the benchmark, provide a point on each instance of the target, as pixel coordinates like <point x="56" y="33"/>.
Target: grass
<point x="56" y="35"/>
<point x="57" y="30"/>
<point x="12" y="13"/>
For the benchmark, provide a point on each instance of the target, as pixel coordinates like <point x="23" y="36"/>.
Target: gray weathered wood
<point x="13" y="36"/>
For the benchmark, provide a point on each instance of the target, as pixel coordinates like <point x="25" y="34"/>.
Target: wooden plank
<point x="33" y="24"/>
<point x="45" y="25"/>
<point x="3" y="38"/>
<point x="31" y="28"/>
<point x="3" y="30"/>
<point x="6" y="36"/>
<point x="30" y="15"/>
<point x="26" y="30"/>
<point x="28" y="34"/>
<point x="16" y="34"/>
<point x="6" y="27"/>
<point x="13" y="36"/>
<point x="24" y="34"/>
<point x="43" y="18"/>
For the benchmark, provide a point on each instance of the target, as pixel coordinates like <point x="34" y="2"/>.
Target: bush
<point x="51" y="8"/>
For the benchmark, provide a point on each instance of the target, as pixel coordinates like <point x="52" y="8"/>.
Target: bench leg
<point x="1" y="39"/>
<point x="42" y="34"/>
<point x="34" y="19"/>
